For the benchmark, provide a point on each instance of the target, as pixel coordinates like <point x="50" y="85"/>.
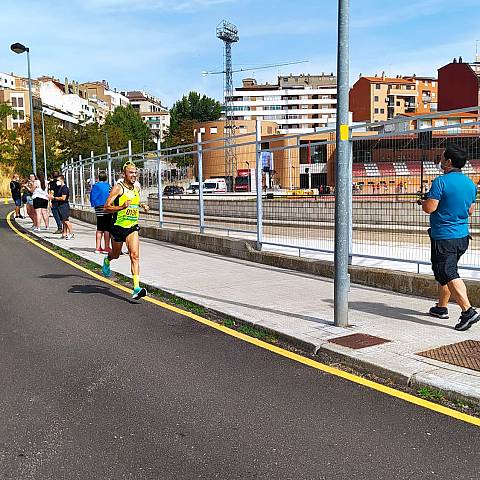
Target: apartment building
<point x="427" y="93"/>
<point x="66" y="101"/>
<point x="297" y="103"/>
<point x="380" y="98"/>
<point x="459" y="85"/>
<point x="100" y="91"/>
<point x="19" y="101"/>
<point x="14" y="92"/>
<point x="153" y="113"/>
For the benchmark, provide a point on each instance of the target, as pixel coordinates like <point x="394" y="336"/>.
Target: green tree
<point x="128" y="121"/>
<point x="7" y="137"/>
<point x="187" y="111"/>
<point x="22" y="156"/>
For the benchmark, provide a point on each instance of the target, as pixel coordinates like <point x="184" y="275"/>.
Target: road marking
<point x="266" y="346"/>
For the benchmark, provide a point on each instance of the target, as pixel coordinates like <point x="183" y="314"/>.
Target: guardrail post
<point x="258" y="166"/>
<point x="159" y="184"/>
<point x="129" y="150"/>
<point x="73" y="189"/>
<point x="92" y="171"/>
<point x="82" y="181"/>
<point x="109" y="166"/>
<point x="200" y="183"/>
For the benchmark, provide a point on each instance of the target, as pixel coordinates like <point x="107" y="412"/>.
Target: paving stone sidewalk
<point x="300" y="306"/>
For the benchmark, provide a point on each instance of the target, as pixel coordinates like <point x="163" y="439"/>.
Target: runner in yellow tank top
<point x="124" y="203"/>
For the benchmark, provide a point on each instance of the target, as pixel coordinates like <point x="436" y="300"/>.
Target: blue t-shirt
<point x="99" y="194"/>
<point x="455" y="193"/>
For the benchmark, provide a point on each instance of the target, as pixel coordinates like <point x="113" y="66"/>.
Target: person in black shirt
<point x="63" y="207"/>
<point x="53" y="189"/>
<point x="16" y="190"/>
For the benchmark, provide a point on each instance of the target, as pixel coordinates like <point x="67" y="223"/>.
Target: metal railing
<point x="283" y="194"/>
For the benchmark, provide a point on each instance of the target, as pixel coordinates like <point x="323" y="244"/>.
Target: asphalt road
<point x="95" y="387"/>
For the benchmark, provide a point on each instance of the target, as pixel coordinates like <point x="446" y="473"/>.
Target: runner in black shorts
<point x="124" y="203"/>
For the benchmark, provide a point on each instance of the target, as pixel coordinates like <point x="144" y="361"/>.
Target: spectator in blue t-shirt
<point x="450" y="202"/>
<point x="98" y="197"/>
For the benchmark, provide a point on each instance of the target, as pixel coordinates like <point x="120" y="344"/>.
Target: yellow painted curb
<point x="266" y="346"/>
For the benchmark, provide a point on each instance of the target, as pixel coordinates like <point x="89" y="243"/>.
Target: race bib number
<point x="132" y="213"/>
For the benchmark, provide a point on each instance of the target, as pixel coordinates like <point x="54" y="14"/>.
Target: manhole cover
<point x="358" y="340"/>
<point x="463" y="354"/>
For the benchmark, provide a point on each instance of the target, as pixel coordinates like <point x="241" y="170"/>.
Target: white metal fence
<point x="284" y="190"/>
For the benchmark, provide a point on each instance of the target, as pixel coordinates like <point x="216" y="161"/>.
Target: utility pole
<point x="342" y="163"/>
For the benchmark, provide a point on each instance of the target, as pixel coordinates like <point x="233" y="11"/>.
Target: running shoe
<point x="138" y="293"/>
<point x="98" y="251"/>
<point x="439" y="312"/>
<point x="106" y="268"/>
<point x="58" y="231"/>
<point x="467" y="319"/>
<point x="70" y="236"/>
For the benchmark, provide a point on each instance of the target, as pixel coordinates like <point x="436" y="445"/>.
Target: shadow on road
<point x="99" y="289"/>
<point x="53" y="276"/>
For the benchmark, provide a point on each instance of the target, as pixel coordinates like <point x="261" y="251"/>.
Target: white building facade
<point x="297" y="103"/>
<point x="67" y="107"/>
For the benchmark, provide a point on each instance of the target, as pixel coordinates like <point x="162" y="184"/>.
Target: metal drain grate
<point x="463" y="354"/>
<point x="358" y="340"/>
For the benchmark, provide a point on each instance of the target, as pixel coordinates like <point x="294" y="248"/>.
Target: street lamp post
<point x="19" y="48"/>
<point x="44" y="148"/>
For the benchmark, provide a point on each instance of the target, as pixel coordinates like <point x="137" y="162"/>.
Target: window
<point x="376" y="110"/>
<point x="382" y="110"/>
<point x="14" y="101"/>
<point x="377" y="86"/>
<point x="398" y="103"/>
<point x="375" y="99"/>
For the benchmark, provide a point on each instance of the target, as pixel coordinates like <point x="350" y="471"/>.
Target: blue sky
<point x="162" y="46"/>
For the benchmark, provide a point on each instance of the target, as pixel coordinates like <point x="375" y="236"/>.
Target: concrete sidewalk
<point x="300" y="306"/>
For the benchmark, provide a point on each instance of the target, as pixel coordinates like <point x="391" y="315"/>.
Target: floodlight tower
<point x="228" y="33"/>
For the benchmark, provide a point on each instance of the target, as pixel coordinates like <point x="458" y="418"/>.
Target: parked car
<point x="173" y="190"/>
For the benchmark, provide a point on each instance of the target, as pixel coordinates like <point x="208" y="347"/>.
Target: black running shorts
<point x="104" y="222"/>
<point x="120" y="234"/>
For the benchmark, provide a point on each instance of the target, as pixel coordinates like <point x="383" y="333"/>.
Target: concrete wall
<point x="397" y="281"/>
<point x="375" y="213"/>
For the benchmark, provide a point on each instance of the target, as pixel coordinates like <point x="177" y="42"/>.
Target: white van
<point x="215" y="185"/>
<point x="212" y="185"/>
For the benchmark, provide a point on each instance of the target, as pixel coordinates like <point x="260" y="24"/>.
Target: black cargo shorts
<point x="445" y="255"/>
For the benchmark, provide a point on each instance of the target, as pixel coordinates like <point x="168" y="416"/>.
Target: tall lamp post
<point x="19" y="48"/>
<point x="44" y="148"/>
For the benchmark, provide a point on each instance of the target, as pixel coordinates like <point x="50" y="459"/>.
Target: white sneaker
<point x="70" y="236"/>
<point x="35" y="229"/>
